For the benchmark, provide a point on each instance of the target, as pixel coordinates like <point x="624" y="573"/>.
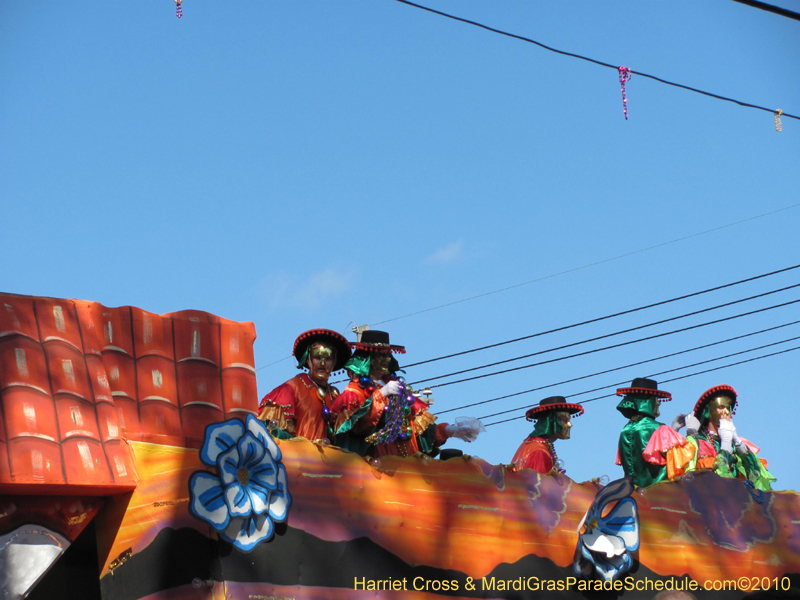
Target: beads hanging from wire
<point x="624" y="77"/>
<point x="178" y="9"/>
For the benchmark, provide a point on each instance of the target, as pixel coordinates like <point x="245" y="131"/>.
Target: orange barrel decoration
<point x="17" y="317"/>
<point x="152" y="334"/>
<point x="58" y="322"/>
<point x="200" y="393"/>
<point x="30" y="425"/>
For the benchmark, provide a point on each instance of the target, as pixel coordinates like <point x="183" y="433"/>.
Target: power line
<point x="636" y="364"/>
<point x="608" y="335"/>
<point x="598" y="319"/>
<point x="770" y="8"/>
<point x="741" y="362"/>
<point x="652" y="337"/>
<point x="592" y="60"/>
<point x="651" y="376"/>
<point x="600" y="262"/>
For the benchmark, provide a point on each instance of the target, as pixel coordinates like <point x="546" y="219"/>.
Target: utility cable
<point x="592" y="60"/>
<point x="741" y="362"/>
<point x="653" y="375"/>
<point x="770" y="8"/>
<point x="652" y="337"/>
<point x="601" y="337"/>
<point x="600" y="262"/>
<point x="598" y="319"/>
<point x="636" y="364"/>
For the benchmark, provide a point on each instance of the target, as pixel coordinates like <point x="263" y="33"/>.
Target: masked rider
<point x="553" y="422"/>
<point x="648" y="451"/>
<point x="375" y="415"/>
<point x="718" y="446"/>
<point x="301" y="407"/>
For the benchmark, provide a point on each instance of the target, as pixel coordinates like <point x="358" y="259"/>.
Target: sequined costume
<point x="649" y="451"/>
<point x="301" y="406"/>
<point x="298" y="406"/>
<point x="553" y="421"/>
<point x="359" y="412"/>
<point x="741" y="463"/>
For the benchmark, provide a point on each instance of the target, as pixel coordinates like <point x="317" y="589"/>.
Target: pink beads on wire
<point x="178" y="9"/>
<point x="624" y="76"/>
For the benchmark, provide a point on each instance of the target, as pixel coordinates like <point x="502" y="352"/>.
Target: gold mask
<point x="566" y="425"/>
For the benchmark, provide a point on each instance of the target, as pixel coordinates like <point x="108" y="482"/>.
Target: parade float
<point x="132" y="467"/>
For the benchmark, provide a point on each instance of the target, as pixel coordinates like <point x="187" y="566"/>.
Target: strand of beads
<point x="558" y="465"/>
<point x="624" y="76"/>
<point x="397" y="413"/>
<point x="178" y="9"/>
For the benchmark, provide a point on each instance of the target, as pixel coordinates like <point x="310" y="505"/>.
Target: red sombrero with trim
<point x="373" y="340"/>
<point x="709" y="394"/>
<point x="557" y="403"/>
<point x="642" y="386"/>
<point x="334" y="339"/>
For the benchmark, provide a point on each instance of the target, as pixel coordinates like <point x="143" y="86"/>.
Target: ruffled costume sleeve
<point x="668" y="447"/>
<point x="430" y="435"/>
<point x="279" y="406"/>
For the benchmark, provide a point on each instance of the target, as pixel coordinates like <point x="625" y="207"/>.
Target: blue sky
<point x="323" y="164"/>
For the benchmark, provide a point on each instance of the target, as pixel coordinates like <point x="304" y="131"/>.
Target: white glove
<point x="741" y="447"/>
<point x="391" y="389"/>
<point x="678" y="422"/>
<point x="465" y="428"/>
<point x="692" y="424"/>
<point x="726" y="430"/>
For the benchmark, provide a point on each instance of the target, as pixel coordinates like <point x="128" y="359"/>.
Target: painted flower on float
<point x="249" y="494"/>
<point x="606" y="544"/>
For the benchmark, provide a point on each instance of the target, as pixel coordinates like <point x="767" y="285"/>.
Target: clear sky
<point x="324" y="164"/>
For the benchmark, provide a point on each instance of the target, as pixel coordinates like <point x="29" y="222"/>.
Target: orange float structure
<point x="107" y="415"/>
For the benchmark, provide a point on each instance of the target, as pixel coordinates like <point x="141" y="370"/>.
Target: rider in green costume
<point x="642" y="455"/>
<point x="711" y="430"/>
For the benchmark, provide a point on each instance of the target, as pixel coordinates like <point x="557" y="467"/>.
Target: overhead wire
<point x="601" y="337"/>
<point x="770" y="8"/>
<point x="741" y="362"/>
<point x="621" y="344"/>
<point x="606" y="317"/>
<point x="652" y="375"/>
<point x="592" y="60"/>
<point x="636" y="364"/>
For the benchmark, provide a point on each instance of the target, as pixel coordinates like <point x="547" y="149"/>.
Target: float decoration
<point x="250" y="493"/>
<point x="606" y="544"/>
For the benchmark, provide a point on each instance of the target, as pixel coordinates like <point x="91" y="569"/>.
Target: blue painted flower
<point x="250" y="494"/>
<point x="606" y="544"/>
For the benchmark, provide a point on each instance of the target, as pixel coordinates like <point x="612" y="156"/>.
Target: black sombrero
<point x="373" y="340"/>
<point x="557" y="403"/>
<point x="645" y="387"/>
<point x="337" y="340"/>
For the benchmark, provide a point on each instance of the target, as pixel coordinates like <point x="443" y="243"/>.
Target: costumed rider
<point x="553" y="422"/>
<point x="718" y="447"/>
<point x="377" y="414"/>
<point x="301" y="407"/>
<point x="648" y="451"/>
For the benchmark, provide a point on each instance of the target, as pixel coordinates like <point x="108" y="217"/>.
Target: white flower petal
<point x="251" y="450"/>
<point x="280" y="500"/>
<point x="246" y="533"/>
<point x="238" y="500"/>
<point x="207" y="500"/>
<point x="219" y="437"/>
<point x="257" y="428"/>
<point x="228" y="463"/>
